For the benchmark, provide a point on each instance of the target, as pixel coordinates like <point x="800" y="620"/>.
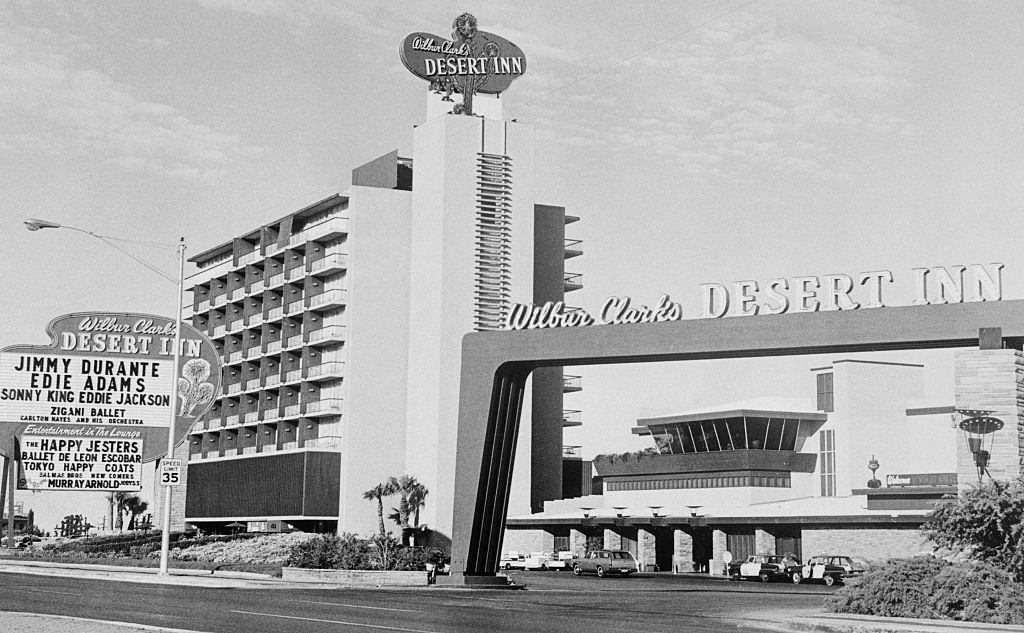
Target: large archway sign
<point x="495" y="366"/>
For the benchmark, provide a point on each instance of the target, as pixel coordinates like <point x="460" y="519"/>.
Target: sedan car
<point x="829" y="569"/>
<point x="603" y="562"/>
<point x="767" y="567"/>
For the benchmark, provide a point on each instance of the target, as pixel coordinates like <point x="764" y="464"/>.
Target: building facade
<point x="852" y="470"/>
<point x="340" y="327"/>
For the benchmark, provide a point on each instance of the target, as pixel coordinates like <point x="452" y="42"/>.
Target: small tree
<point x="412" y="498"/>
<point x="986" y="523"/>
<point x="378" y="493"/>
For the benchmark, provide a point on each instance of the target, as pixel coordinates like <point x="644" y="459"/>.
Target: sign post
<point x="170" y="472"/>
<point x="165" y="539"/>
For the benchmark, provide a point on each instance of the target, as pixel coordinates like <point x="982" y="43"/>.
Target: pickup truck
<point x="512" y="560"/>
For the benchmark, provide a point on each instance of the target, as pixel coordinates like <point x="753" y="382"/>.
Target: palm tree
<point x="413" y="495"/>
<point x="134" y="505"/>
<point x="116" y="501"/>
<point x="378" y="492"/>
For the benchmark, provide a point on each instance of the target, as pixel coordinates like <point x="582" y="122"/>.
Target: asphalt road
<point x="552" y="601"/>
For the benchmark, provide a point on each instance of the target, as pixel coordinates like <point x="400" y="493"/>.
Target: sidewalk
<point x="777" y="620"/>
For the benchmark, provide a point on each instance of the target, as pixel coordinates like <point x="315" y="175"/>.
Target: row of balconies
<point x="326" y="230"/>
<point x="261" y="438"/>
<point x="326" y="407"/>
<point x="331" y="297"/>
<point x="324" y="371"/>
<point x="322" y="266"/>
<point x="294" y="344"/>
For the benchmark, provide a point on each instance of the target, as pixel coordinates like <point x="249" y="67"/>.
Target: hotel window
<point x="827" y="459"/>
<point x="825" y="399"/>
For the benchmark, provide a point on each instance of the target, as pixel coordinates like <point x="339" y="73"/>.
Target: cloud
<point x="774" y="88"/>
<point x="51" y="105"/>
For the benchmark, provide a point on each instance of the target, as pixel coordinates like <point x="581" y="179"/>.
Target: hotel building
<point x="340" y="327"/>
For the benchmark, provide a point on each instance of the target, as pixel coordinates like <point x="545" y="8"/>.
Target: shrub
<point x="348" y="551"/>
<point x="928" y="587"/>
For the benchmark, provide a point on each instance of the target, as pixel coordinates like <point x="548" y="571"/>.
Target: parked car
<point x="559" y="561"/>
<point x="512" y="560"/>
<point x="767" y="567"/>
<point x="603" y="562"/>
<point x="828" y="569"/>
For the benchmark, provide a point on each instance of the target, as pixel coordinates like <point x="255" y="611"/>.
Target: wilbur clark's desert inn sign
<point x="932" y="286"/>
<point x="471" y="61"/>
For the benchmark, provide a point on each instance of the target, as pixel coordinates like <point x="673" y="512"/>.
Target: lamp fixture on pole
<point x="36" y="224"/>
<point x="978" y="426"/>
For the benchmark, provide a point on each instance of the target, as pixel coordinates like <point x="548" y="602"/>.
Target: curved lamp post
<point x="36" y="224"/>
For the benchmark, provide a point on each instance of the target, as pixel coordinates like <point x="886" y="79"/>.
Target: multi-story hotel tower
<point x="340" y="327"/>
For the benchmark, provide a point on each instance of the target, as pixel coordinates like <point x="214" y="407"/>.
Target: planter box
<point x="355" y="577"/>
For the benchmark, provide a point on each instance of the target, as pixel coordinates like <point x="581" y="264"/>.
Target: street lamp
<point x="978" y="425"/>
<point x="36" y="224"/>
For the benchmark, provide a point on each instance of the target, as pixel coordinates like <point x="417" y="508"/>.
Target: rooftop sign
<point x="104" y="382"/>
<point x="471" y="61"/>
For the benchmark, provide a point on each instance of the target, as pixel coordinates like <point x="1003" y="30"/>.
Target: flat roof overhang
<point x="681" y="522"/>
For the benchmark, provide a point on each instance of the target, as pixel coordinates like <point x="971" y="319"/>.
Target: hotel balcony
<point x="231" y="420"/>
<point x="249" y="258"/>
<point x="572" y="384"/>
<point x="573" y="281"/>
<point x="293" y="411"/>
<point x="271" y="415"/>
<point x="273" y="347"/>
<point x="572" y="452"/>
<point x="572" y="417"/>
<point x="294" y="307"/>
<point x="252" y="384"/>
<point x="273" y="380"/>
<point x="332" y="406"/>
<point x="218" y="300"/>
<point x="256" y="287"/>
<point x="275" y="280"/>
<point x="332" y="442"/>
<point x="329" y="263"/>
<point x="252" y="416"/>
<point x="220" y="331"/>
<point x="295" y="340"/>
<point x="294" y="375"/>
<point x="573" y="248"/>
<point x="233" y="388"/>
<point x="235" y="357"/>
<point x="325" y="371"/>
<point x="328" y="333"/>
<point x="334" y="227"/>
<point x="329" y="298"/>
<point x="203" y="305"/>
<point x="236" y="293"/>
<point x="274" y="314"/>
<point x="235" y="326"/>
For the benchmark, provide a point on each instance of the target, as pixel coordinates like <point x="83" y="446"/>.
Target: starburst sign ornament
<point x="471" y="61"/>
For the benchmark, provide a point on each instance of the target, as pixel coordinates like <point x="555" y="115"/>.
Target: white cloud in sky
<point x="54" y="106"/>
<point x="774" y="88"/>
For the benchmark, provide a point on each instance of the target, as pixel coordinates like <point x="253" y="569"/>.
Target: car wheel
<point x="796" y="578"/>
<point x="576" y="570"/>
<point x="735" y="575"/>
<point x="507" y="566"/>
<point x="829" y="580"/>
<point x="764" y="576"/>
<point x="600" y="571"/>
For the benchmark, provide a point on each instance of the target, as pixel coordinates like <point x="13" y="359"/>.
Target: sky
<point x="702" y="141"/>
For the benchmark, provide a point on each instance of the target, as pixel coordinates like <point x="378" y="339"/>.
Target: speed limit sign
<point x="170" y="472"/>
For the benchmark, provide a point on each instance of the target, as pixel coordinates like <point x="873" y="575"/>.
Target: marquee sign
<point x="102" y="385"/>
<point x="932" y="286"/>
<point x="471" y="61"/>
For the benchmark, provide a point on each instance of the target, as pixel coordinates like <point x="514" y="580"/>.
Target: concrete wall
<point x="445" y="151"/>
<point x="872" y="545"/>
<point x="374" y="418"/>
<point x="992" y="380"/>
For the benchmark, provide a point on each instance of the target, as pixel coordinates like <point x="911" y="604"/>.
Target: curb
<point x="854" y="623"/>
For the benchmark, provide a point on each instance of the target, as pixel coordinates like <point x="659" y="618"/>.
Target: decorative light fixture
<point x="978" y="426"/>
<point x="586" y="512"/>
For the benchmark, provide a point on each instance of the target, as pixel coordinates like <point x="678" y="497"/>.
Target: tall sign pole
<point x="165" y="539"/>
<point x="12" y="476"/>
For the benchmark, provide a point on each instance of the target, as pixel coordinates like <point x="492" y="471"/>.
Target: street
<point x="552" y="601"/>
